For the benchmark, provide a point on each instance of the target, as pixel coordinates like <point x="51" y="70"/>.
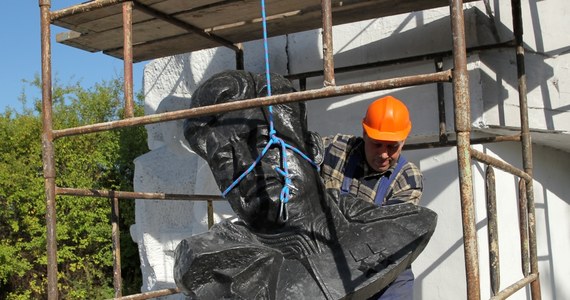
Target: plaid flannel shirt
<point x="406" y="187"/>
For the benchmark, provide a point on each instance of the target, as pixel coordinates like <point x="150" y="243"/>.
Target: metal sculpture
<point x="293" y="239"/>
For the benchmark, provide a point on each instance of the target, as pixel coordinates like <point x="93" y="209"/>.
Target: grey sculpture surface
<point x="320" y="245"/>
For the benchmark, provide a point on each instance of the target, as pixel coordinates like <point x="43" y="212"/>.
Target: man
<point x="292" y="239"/>
<point x="372" y="168"/>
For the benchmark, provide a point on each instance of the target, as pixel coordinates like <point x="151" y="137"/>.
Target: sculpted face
<point x="231" y="142"/>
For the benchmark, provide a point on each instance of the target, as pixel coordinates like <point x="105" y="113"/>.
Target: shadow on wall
<point x="443" y="257"/>
<point x="481" y="29"/>
<point x="435" y="36"/>
<point x="428" y="38"/>
<point x="344" y="115"/>
<point x="496" y="96"/>
<point x="180" y="75"/>
<point x="551" y="189"/>
<point x="207" y="63"/>
<point x="436" y="265"/>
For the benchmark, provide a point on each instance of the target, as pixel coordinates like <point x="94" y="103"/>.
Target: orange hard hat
<point x="387" y="119"/>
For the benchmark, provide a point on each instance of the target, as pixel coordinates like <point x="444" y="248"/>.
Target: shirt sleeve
<point x="407" y="187"/>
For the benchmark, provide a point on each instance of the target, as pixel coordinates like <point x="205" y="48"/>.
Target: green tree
<point x="101" y="160"/>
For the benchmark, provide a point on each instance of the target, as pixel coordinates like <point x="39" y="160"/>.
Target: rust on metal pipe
<point x="485" y="158"/>
<point x="210" y="214"/>
<point x="326" y="92"/>
<point x="128" y="58"/>
<point x="526" y="143"/>
<point x="441" y="103"/>
<point x="523" y="227"/>
<point x="84" y="7"/>
<point x="48" y="150"/>
<point x="515" y="287"/>
<point x="116" y="235"/>
<point x="328" y="53"/>
<point x="143" y="196"/>
<point x="462" y="112"/>
<point x="535" y="285"/>
<point x="188" y="27"/>
<point x="135" y="195"/>
<point x="151" y="294"/>
<point x="468" y="216"/>
<point x="492" y="230"/>
<point x="521" y="75"/>
<point x="460" y="73"/>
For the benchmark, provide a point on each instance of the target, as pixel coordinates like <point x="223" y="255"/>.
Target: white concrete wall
<point x="494" y="103"/>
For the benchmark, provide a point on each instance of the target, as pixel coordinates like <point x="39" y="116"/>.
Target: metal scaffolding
<point x="457" y="76"/>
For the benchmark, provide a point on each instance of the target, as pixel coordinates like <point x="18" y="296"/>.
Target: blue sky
<point x="20" y="56"/>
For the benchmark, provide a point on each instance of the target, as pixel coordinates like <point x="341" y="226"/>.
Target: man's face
<point x="381" y="155"/>
<point x="234" y="141"/>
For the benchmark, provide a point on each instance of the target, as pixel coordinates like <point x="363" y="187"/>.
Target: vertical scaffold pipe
<point x="328" y="60"/>
<point x="441" y="103"/>
<point x="128" y="58"/>
<point x="48" y="155"/>
<point x="526" y="144"/>
<point x="116" y="236"/>
<point x="462" y="112"/>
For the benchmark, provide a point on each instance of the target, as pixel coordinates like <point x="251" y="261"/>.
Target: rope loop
<point x="282" y="170"/>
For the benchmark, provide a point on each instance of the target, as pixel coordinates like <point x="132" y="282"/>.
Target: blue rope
<point x="266" y="50"/>
<point x="283" y="171"/>
<point x="273" y="140"/>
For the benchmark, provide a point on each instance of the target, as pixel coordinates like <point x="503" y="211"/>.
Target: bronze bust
<point x="309" y="243"/>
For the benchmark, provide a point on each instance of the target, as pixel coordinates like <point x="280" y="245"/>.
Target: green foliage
<point x="101" y="161"/>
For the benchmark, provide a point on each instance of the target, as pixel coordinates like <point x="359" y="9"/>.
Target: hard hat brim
<point x="387" y="136"/>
